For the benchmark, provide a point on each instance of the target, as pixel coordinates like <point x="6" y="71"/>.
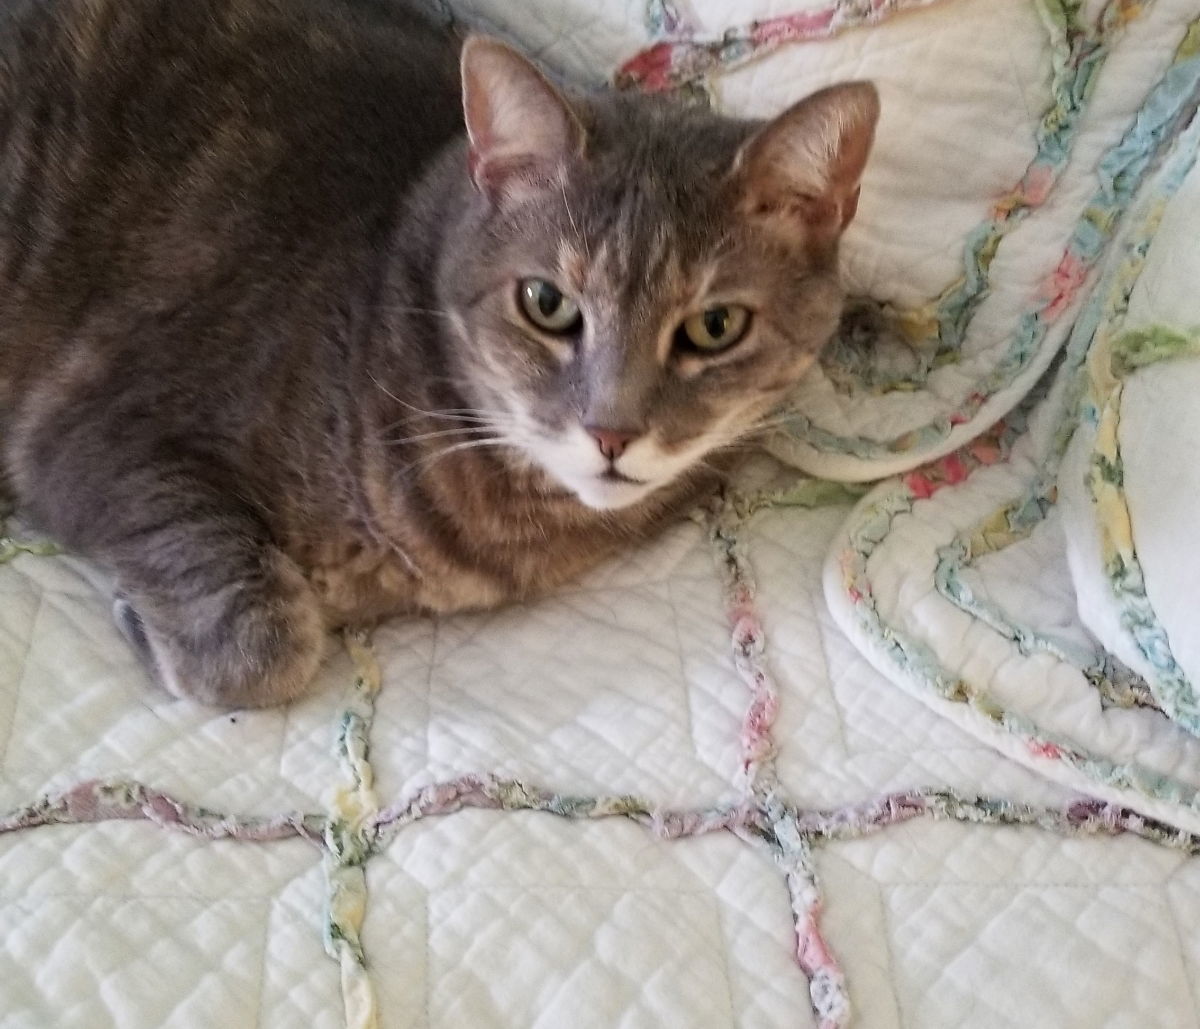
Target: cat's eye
<point x="544" y="304"/>
<point x="713" y="329"/>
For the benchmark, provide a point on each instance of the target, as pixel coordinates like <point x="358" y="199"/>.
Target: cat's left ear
<point x="522" y="132"/>
<point x="801" y="171"/>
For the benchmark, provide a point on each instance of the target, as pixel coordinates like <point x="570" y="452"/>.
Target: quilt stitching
<point x="937" y="330"/>
<point x="1179" y="938"/>
<point x="1110" y="359"/>
<point x="680" y="58"/>
<point x="1098" y="322"/>
<point x="7" y="737"/>
<point x="356" y="828"/>
<point x="1120" y="174"/>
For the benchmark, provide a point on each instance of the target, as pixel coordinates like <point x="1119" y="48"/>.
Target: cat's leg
<point x="217" y="611"/>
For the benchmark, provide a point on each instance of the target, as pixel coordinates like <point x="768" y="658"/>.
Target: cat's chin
<point x="602" y="494"/>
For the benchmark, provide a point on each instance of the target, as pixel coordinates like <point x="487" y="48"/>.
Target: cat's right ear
<point x="800" y="173"/>
<point x="521" y="130"/>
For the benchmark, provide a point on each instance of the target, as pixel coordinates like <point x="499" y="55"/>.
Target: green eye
<point x="545" y="306"/>
<point x="714" y="329"/>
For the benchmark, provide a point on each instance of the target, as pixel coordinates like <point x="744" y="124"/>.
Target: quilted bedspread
<point x="674" y="796"/>
<point x="819" y="756"/>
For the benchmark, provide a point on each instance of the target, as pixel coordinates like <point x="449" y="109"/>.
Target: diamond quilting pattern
<point x="860" y="733"/>
<point x="695" y="933"/>
<point x="889" y="253"/>
<point x="1015" y="936"/>
<point x="1183" y="900"/>
<point x="108" y="962"/>
<point x="514" y="919"/>
<point x="575" y="37"/>
<point x="968" y="915"/>
<point x="619" y="952"/>
<point x="84" y="709"/>
<point x="122" y="925"/>
<point x="299" y="983"/>
<point x="609" y="687"/>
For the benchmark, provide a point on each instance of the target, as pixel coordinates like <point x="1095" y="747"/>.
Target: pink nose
<point x="612" y="442"/>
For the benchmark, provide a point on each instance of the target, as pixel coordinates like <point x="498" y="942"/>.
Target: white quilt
<point x="679" y="793"/>
<point x="623" y="696"/>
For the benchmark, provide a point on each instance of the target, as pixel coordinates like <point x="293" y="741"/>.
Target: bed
<point x="896" y="732"/>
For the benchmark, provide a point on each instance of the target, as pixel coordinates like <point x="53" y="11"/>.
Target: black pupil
<point x="549" y="300"/>
<point x="716" y="322"/>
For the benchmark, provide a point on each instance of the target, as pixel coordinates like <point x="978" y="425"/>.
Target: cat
<point x="312" y="313"/>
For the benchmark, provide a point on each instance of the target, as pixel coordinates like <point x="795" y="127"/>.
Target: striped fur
<point x="253" y="306"/>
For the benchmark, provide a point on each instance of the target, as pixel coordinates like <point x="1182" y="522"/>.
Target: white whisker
<point x="769" y="422"/>
<point x="492" y="421"/>
<point x="458" y="414"/>
<point x="423" y="436"/>
<point x="438" y="455"/>
<point x="562" y="185"/>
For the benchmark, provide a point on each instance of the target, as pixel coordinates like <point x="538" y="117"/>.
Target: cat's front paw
<point x="245" y="645"/>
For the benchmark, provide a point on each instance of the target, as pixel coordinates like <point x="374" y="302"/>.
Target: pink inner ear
<point x="521" y="130"/>
<point x="511" y="179"/>
<point x="808" y="161"/>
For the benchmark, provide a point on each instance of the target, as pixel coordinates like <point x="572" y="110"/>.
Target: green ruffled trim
<point x="1140" y="348"/>
<point x="1133" y="350"/>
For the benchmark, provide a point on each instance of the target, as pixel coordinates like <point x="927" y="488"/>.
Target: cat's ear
<point x="521" y="130"/>
<point x="801" y="171"/>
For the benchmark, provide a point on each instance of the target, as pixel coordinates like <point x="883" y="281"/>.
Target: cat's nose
<point x="612" y="442"/>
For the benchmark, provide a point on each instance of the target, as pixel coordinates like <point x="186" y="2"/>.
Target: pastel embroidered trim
<point x="355" y="829"/>
<point x="1121" y="173"/>
<point x="1098" y="322"/>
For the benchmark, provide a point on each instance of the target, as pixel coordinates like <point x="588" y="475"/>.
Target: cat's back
<point x="153" y="152"/>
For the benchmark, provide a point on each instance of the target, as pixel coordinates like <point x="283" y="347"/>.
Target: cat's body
<point x="258" y="348"/>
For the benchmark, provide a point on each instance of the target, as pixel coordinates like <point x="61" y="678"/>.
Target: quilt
<point x="776" y="768"/>
<point x="675" y="795"/>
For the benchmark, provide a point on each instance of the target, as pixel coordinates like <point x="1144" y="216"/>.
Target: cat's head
<point x="639" y="282"/>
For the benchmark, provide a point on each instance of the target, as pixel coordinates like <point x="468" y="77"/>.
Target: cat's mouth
<point x="610" y="490"/>
<point x="612" y="475"/>
<point x="572" y="459"/>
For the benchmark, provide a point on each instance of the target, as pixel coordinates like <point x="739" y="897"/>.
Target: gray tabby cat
<point x="285" y="348"/>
